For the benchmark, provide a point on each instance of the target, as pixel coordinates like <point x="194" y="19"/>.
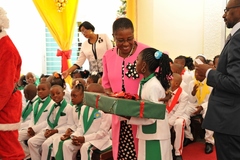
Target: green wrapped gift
<point x="125" y="107"/>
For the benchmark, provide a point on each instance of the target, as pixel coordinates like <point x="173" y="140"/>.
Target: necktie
<point x="202" y="91"/>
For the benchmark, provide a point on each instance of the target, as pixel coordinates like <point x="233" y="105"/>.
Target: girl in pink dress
<point x="119" y="74"/>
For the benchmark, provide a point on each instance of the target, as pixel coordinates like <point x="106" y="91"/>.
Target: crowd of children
<point x="53" y="113"/>
<point x="196" y="93"/>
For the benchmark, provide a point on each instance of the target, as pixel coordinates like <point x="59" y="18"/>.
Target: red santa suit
<point x="10" y="99"/>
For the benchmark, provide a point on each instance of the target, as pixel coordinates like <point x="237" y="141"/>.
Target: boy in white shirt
<point x="77" y="95"/>
<point x="199" y="93"/>
<point x="176" y="107"/>
<point x="40" y="110"/>
<point x="58" y="119"/>
<point x="30" y="93"/>
<point x="92" y="132"/>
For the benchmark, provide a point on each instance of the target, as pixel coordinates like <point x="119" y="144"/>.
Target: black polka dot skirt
<point x="126" y="149"/>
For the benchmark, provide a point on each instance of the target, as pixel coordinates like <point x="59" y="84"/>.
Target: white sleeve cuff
<point x="208" y="71"/>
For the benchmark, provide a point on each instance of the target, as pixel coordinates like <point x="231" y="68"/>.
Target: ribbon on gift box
<point x="141" y="111"/>
<point x="125" y="95"/>
<point x="125" y="107"/>
<point x="97" y="99"/>
<point x="132" y="97"/>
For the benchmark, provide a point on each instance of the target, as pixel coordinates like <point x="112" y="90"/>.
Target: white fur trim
<point x="10" y="127"/>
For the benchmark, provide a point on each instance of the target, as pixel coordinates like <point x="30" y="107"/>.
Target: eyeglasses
<point x="83" y="30"/>
<point x="121" y="41"/>
<point x="228" y="8"/>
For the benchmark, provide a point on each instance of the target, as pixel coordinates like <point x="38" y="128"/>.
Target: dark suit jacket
<point x="223" y="114"/>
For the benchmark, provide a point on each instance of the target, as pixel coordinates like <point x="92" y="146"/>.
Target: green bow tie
<point x="78" y="107"/>
<point x="30" y="102"/>
<point x="40" y="101"/>
<point x="57" y="105"/>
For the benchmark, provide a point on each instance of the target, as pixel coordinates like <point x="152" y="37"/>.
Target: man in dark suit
<point x="223" y="115"/>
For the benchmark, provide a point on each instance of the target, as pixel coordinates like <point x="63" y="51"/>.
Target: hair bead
<point x="158" y="54"/>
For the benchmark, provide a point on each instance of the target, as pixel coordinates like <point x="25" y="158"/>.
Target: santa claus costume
<point x="10" y="98"/>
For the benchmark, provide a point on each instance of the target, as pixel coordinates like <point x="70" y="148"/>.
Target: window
<point x="52" y="61"/>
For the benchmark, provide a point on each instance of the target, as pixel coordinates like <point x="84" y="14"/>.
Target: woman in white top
<point x="92" y="49"/>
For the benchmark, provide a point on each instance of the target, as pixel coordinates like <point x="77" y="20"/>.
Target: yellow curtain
<point x="132" y="12"/>
<point x="61" y="26"/>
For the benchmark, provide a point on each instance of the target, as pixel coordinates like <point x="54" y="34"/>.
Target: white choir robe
<point x="41" y="123"/>
<point x="39" y="142"/>
<point x="184" y="86"/>
<point x="187" y="76"/>
<point x="25" y="123"/>
<point x="176" y="120"/>
<point x="73" y="128"/>
<point x="97" y="136"/>
<point x="152" y="90"/>
<point x="191" y="108"/>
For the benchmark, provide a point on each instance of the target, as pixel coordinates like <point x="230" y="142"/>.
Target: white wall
<point x="101" y="13"/>
<point x="183" y="27"/>
<point x="214" y="27"/>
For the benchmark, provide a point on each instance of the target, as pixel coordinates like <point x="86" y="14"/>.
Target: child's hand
<point x="194" y="91"/>
<point x="69" y="131"/>
<point x="108" y="91"/>
<point x="81" y="139"/>
<point x="75" y="141"/>
<point x="50" y="132"/>
<point x="199" y="110"/>
<point x="64" y="137"/>
<point x="47" y="133"/>
<point x="67" y="134"/>
<point x="167" y="97"/>
<point x="31" y="132"/>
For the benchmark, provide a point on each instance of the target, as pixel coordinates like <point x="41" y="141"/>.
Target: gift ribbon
<point x="111" y="109"/>
<point x="141" y="109"/>
<point x="65" y="56"/>
<point x="125" y="95"/>
<point x="97" y="99"/>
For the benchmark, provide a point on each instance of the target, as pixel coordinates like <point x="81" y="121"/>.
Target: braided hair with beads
<point x="79" y="86"/>
<point x="188" y="62"/>
<point x="157" y="60"/>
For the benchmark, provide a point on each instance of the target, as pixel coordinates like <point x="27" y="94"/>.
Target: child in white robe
<point x="153" y="134"/>
<point x="92" y="132"/>
<point x="59" y="118"/>
<point x="77" y="95"/>
<point x="176" y="107"/>
<point x="199" y="93"/>
<point x="40" y="110"/>
<point x="30" y="93"/>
